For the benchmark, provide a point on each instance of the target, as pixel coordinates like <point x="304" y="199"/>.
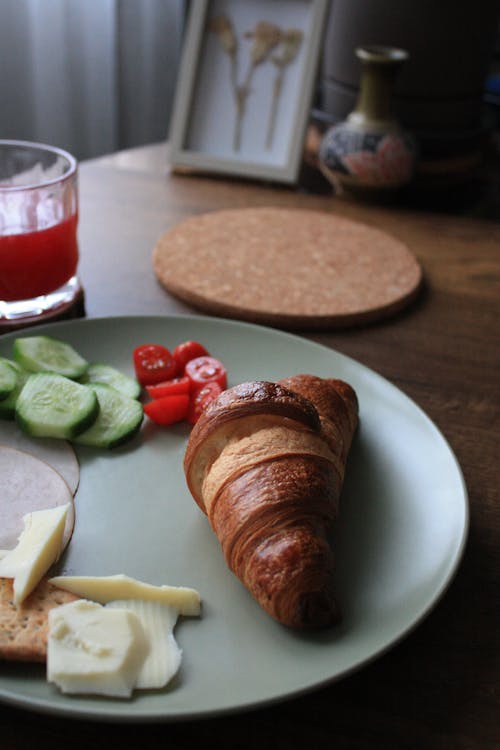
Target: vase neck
<point x="380" y="68"/>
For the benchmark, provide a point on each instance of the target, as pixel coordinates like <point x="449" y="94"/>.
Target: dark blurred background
<point x="447" y="94"/>
<point x="96" y="76"/>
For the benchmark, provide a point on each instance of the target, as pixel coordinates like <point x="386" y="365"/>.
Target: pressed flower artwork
<point x="246" y="86"/>
<point x="266" y="39"/>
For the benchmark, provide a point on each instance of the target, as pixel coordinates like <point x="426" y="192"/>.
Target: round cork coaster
<point x="288" y="268"/>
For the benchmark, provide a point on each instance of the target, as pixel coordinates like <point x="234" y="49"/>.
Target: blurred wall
<point x="90" y="76"/>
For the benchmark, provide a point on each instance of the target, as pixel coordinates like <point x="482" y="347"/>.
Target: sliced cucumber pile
<point x="52" y="391"/>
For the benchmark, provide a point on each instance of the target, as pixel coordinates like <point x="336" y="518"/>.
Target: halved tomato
<point x="203" y="370"/>
<point x="168" y="409"/>
<point x="169" y="387"/>
<point x="201" y="399"/>
<point x="153" y="363"/>
<point x="187" y="351"/>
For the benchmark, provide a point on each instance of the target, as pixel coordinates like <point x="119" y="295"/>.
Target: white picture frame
<point x="246" y="85"/>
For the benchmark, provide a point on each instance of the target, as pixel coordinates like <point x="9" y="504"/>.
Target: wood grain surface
<point x="437" y="689"/>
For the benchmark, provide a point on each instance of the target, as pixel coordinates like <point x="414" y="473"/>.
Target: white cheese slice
<point x="39" y="546"/>
<point x="164" y="657"/>
<point x="95" y="650"/>
<point x="106" y="589"/>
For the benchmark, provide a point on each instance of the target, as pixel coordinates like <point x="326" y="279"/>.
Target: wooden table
<point x="436" y="689"/>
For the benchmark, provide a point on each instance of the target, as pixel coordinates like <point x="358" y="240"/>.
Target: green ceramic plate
<point x="400" y="538"/>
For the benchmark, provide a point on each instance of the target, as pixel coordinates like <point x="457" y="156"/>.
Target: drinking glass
<point x="38" y="231"/>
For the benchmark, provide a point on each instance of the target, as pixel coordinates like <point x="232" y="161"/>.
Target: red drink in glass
<point x="38" y="230"/>
<point x="38" y="262"/>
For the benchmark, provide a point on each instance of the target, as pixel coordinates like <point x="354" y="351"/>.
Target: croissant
<point x="265" y="462"/>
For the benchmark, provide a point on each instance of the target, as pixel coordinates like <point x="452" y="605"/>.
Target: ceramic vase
<point x="369" y="152"/>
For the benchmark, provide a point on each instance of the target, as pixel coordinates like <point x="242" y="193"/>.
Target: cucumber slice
<point x="46" y="354"/>
<point x="12" y="364"/>
<point x="8" y="405"/>
<point x="119" y="418"/>
<point x="107" y="375"/>
<point x="8" y="378"/>
<point x="51" y="405"/>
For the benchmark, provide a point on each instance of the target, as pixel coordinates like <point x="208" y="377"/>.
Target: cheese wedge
<point x="95" y="650"/>
<point x="104" y="589"/>
<point x="39" y="546"/>
<point x="164" y="656"/>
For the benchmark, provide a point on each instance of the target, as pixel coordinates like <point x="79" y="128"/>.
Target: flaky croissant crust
<point x="266" y="463"/>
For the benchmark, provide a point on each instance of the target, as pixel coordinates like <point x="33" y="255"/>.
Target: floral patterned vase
<point x="369" y="152"/>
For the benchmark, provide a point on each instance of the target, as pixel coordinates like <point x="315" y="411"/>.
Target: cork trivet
<point x="287" y="268"/>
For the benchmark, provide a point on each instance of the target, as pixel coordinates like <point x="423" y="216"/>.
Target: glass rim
<point x="73" y="165"/>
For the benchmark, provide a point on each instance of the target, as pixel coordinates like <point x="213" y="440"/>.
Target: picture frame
<point x="246" y="86"/>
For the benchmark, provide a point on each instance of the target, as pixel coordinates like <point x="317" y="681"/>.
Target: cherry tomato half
<point x="186" y="351"/>
<point x="203" y="370"/>
<point x="153" y="363"/>
<point x="201" y="399"/>
<point x="169" y="387"/>
<point x="168" y="410"/>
